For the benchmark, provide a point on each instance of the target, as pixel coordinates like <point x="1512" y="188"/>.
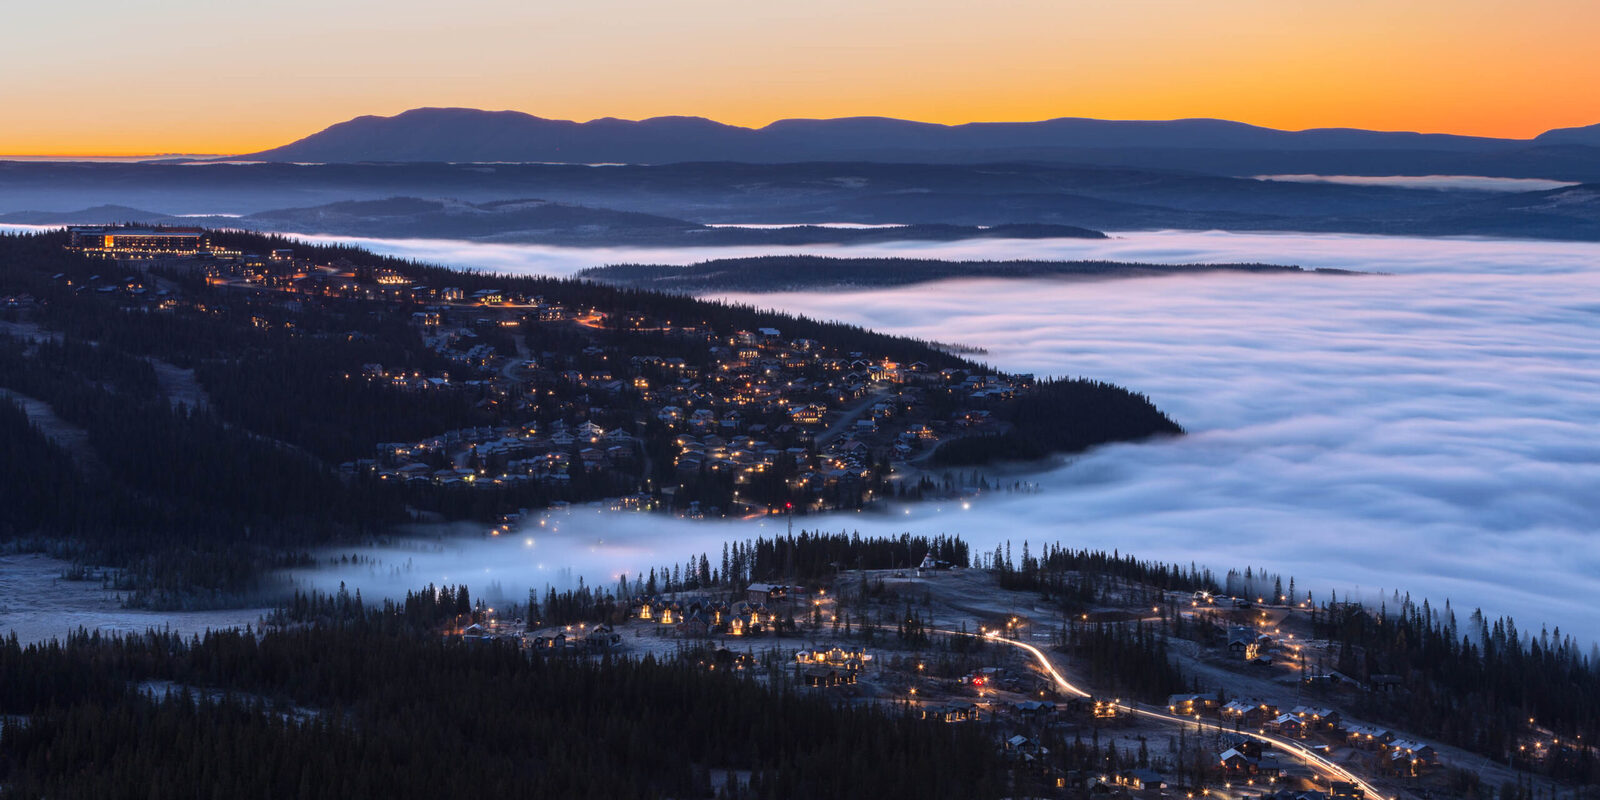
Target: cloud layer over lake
<point x="1435" y="429"/>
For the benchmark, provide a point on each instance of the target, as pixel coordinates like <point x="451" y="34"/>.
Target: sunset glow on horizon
<point x="93" y="77"/>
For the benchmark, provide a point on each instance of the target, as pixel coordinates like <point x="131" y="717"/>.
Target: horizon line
<point x="44" y="156"/>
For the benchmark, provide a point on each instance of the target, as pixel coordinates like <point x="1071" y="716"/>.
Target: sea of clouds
<point x="1434" y="429"/>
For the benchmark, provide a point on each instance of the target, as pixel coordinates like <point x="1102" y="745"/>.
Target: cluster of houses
<point x="1150" y="783"/>
<point x="739" y="403"/>
<point x="830" y="665"/>
<point x="1246" y="761"/>
<point x="1337" y="790"/>
<point x="1036" y="712"/>
<point x="1402" y="755"/>
<point x="504" y="454"/>
<point x="701" y="616"/>
<point x="761" y="407"/>
<point x="129" y="287"/>
<point x="281" y="270"/>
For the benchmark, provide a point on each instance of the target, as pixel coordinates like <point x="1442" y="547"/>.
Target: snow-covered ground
<point x="38" y="604"/>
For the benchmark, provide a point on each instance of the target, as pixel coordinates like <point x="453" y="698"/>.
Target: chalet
<point x="1237" y="763"/>
<point x="765" y="593"/>
<point x="953" y="712"/>
<point x="835" y="656"/>
<point x="1190" y="704"/>
<point x="1417" y="753"/>
<point x="694" y="625"/>
<point x="824" y="677"/>
<point x="1317" y="717"/>
<point x="556" y="642"/>
<point x="1247" y="641"/>
<point x="1346" y="790"/>
<point x="1140" y="780"/>
<point x="1038" y="709"/>
<point x="602" y="637"/>
<point x="1368" y="736"/>
<point x="1246" y="759"/>
<point x="1249" y="712"/>
<point x="1022" y="748"/>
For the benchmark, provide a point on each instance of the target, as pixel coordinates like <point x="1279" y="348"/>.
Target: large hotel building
<point x="112" y="241"/>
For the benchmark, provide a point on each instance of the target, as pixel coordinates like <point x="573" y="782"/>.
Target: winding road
<point x="1316" y="761"/>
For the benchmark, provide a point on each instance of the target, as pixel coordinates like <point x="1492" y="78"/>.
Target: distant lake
<point x="1433" y="430"/>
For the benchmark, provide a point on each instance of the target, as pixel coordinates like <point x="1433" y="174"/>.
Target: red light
<point x="789" y="506"/>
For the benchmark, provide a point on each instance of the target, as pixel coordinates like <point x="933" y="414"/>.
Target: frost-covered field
<point x="38" y="604"/>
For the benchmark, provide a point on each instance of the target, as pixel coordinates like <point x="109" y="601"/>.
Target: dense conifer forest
<point x="1061" y="416"/>
<point x="798" y="273"/>
<point x="369" y="702"/>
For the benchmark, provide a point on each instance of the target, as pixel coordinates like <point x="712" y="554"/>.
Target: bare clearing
<point x="179" y="385"/>
<point x="38" y="605"/>
<point x="67" y="436"/>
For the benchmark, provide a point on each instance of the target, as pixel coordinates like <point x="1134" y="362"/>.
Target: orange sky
<point x="185" y="76"/>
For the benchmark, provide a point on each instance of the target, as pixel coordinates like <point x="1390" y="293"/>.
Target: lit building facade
<point x="136" y="242"/>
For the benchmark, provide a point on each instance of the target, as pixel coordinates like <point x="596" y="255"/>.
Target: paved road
<point x="851" y="415"/>
<point x="1316" y="761"/>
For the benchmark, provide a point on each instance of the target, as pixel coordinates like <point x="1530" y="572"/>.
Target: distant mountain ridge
<point x="539" y="222"/>
<point x="471" y="135"/>
<point x="788" y="273"/>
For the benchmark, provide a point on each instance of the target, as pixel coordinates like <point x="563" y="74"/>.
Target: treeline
<point x="1129" y="659"/>
<point x="810" y="556"/>
<point x="372" y="707"/>
<point x="1085" y="577"/>
<point x="1061" y="416"/>
<point x="1475" y="685"/>
<point x="805" y="557"/>
<point x="792" y="272"/>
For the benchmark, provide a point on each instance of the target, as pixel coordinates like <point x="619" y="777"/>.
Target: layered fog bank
<point x="1431" y="430"/>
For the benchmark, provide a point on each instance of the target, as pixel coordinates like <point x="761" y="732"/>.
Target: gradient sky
<point x="199" y="76"/>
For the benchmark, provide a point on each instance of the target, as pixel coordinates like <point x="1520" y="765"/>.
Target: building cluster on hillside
<point x="699" y="616"/>
<point x="505" y="454"/>
<point x="699" y="420"/>
<point x="759" y="410"/>
<point x="1397" y="754"/>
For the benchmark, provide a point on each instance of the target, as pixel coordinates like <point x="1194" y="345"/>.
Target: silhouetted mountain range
<point x="1208" y="145"/>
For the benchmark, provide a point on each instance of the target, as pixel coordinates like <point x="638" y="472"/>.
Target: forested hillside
<point x="370" y="703"/>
